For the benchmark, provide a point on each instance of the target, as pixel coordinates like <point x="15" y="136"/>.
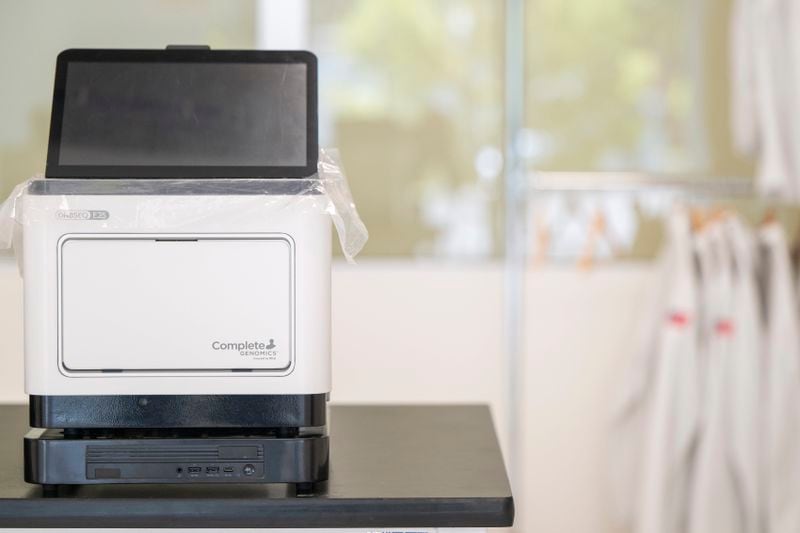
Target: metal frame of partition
<point x="516" y="196"/>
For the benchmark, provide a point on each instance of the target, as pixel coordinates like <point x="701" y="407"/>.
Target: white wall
<point x="579" y="332"/>
<point x="425" y="332"/>
<point x="406" y="332"/>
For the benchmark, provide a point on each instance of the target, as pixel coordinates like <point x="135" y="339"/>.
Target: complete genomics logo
<point x="248" y="348"/>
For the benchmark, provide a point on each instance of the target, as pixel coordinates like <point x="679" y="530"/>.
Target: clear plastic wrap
<point x="326" y="192"/>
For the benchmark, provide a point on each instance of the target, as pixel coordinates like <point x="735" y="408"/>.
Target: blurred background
<point x="514" y="162"/>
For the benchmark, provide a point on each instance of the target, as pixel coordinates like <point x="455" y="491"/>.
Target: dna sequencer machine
<point x="176" y="267"/>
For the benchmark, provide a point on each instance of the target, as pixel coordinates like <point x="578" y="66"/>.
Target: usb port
<point x="228" y="469"/>
<point x="195" y="469"/>
<point x="212" y="470"/>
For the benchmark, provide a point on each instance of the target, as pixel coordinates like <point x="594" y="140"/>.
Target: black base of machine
<point x="178" y="411"/>
<point x="53" y="459"/>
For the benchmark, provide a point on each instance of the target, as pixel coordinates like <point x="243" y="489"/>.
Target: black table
<point x="391" y="466"/>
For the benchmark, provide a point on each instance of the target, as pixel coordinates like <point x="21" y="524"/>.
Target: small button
<point x="249" y="470"/>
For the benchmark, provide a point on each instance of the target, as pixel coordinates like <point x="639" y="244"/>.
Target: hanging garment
<point x="791" y="110"/>
<point x="744" y="374"/>
<point x="714" y="503"/>
<point x="670" y="429"/>
<point x="764" y="96"/>
<point x="634" y="402"/>
<point x="782" y="359"/>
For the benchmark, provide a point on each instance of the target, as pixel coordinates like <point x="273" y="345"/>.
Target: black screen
<point x="132" y="114"/>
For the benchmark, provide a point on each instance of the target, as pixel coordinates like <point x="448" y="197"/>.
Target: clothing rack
<point x="635" y="182"/>
<point x="738" y="195"/>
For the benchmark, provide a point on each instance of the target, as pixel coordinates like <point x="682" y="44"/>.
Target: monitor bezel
<point x="56" y="170"/>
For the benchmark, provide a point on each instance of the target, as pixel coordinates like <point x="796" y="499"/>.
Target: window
<point x="412" y="92"/>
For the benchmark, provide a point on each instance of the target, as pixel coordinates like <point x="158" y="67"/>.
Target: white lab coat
<point x="714" y="503"/>
<point x="744" y="375"/>
<point x="782" y="359"/>
<point x="670" y="429"/>
<point x="633" y="404"/>
<point x="764" y="65"/>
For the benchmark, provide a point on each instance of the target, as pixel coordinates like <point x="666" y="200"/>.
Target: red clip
<point x="724" y="327"/>
<point x="679" y="319"/>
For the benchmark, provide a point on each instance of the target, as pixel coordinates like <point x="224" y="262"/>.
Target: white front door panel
<point x="168" y="304"/>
